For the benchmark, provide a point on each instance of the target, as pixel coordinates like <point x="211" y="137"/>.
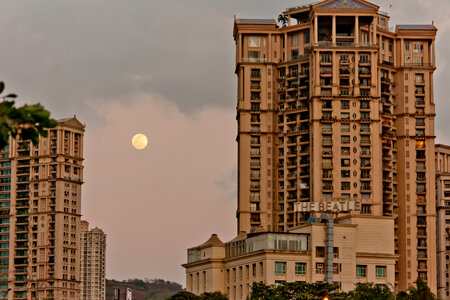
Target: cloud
<point x="157" y="202"/>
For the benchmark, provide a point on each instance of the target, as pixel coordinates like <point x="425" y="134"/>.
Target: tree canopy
<point x="28" y="121"/>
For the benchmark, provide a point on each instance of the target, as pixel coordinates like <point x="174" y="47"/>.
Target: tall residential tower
<point x="443" y="220"/>
<point x="93" y="259"/>
<point x="40" y="209"/>
<point x="337" y="106"/>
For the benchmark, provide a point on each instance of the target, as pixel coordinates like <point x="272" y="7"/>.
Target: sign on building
<point x="332" y="206"/>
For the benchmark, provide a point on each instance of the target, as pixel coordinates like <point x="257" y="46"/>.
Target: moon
<point x="139" y="141"/>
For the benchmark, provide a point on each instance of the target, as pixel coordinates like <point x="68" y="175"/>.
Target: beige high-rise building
<point x="337" y="106"/>
<point x="443" y="219"/>
<point x="40" y="209"/>
<point x="93" y="261"/>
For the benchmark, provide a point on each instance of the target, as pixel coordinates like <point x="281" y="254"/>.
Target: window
<point x="345" y="162"/>
<point x="361" y="271"/>
<point x="345" y="151"/>
<point x="326" y="128"/>
<point x="326" y="139"/>
<point x="326" y="58"/>
<point x="294" y="40"/>
<point x="380" y="271"/>
<point x="419" y="78"/>
<point x="253" y="56"/>
<point x="345" y="116"/>
<point x="345" y="173"/>
<point x="306" y="37"/>
<point x="364" y="59"/>
<point x="365" y="128"/>
<point x="300" y="268"/>
<point x="254" y="41"/>
<point x="345" y="127"/>
<point x="418" y="48"/>
<point x="254" y="206"/>
<point x="320" y="251"/>
<point x="345" y="186"/>
<point x="280" y="267"/>
<point x="345" y="104"/>
<point x="406" y="46"/>
<point x="345" y="139"/>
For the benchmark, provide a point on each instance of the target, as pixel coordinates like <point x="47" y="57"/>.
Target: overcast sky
<point x="165" y="69"/>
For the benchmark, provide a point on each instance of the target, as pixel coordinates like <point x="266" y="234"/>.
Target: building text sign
<point x="335" y="206"/>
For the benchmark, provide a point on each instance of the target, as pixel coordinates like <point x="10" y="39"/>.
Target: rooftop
<point x="256" y="21"/>
<point x="416" y="27"/>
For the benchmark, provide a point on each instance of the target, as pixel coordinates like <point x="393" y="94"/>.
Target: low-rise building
<point x="363" y="251"/>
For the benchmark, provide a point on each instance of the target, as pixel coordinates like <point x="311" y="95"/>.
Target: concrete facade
<point x="443" y="219"/>
<point x="337" y="106"/>
<point x="93" y="263"/>
<point x="363" y="252"/>
<point x="40" y="209"/>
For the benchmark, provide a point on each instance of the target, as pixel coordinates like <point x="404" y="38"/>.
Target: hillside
<point x="147" y="289"/>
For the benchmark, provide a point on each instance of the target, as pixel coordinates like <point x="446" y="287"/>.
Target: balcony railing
<point x="418" y="65"/>
<point x="254" y="59"/>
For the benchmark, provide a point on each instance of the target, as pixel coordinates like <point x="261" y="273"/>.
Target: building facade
<point x="40" y="209"/>
<point x="335" y="106"/>
<point x="93" y="262"/>
<point x="363" y="251"/>
<point x="443" y="219"/>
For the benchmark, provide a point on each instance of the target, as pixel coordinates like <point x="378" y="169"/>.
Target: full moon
<point x="139" y="141"/>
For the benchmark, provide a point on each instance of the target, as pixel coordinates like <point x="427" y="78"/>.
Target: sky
<point x="164" y="68"/>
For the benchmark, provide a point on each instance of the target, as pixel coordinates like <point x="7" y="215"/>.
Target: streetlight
<point x="37" y="286"/>
<point x="394" y="289"/>
<point x="4" y="292"/>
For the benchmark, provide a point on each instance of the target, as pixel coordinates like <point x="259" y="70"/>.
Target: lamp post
<point x="36" y="286"/>
<point x="4" y="292"/>
<point x="394" y="289"/>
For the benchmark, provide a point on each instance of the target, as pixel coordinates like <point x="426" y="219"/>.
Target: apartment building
<point x="40" y="207"/>
<point x="443" y="219"/>
<point x="363" y="251"/>
<point x="336" y="106"/>
<point x="93" y="261"/>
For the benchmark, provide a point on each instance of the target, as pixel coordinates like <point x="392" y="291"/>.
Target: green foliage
<point x="28" y="121"/>
<point x="373" y="291"/>
<point x="420" y="291"/>
<point x="295" y="290"/>
<point x="205" y="296"/>
<point x="184" y="296"/>
<point x="213" y="296"/>
<point x="146" y="289"/>
<point x="283" y="20"/>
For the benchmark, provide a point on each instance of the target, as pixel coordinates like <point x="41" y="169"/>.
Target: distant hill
<point x="147" y="289"/>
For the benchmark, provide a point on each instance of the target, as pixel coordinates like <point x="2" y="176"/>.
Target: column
<point x="285" y="58"/>
<point x="402" y="52"/>
<point x="433" y="52"/>
<point x="316" y="30"/>
<point x="269" y="48"/>
<point x="239" y="46"/>
<point x="380" y="41"/>
<point x="374" y="29"/>
<point x="356" y="31"/>
<point x="333" y="32"/>
<point x="394" y="53"/>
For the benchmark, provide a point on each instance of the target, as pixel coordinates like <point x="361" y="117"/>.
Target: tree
<point x="372" y="291"/>
<point x="213" y="296"/>
<point x="184" y="296"/>
<point x="283" y="20"/>
<point x="421" y="291"/>
<point x="295" y="290"/>
<point x="28" y="121"/>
